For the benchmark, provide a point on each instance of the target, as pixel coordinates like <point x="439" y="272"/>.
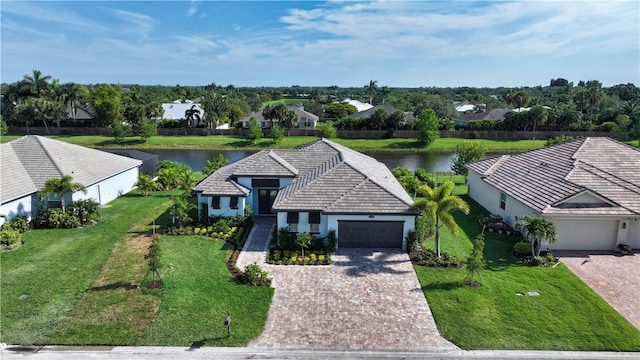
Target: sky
<point x="322" y="43"/>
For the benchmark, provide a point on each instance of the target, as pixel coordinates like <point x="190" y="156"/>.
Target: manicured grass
<point x="54" y="268"/>
<point x="197" y="294"/>
<point x="567" y="315"/>
<point x="86" y="286"/>
<point x="220" y="142"/>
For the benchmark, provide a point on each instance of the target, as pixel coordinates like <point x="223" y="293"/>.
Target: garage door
<point x="370" y="234"/>
<point x="585" y="235"/>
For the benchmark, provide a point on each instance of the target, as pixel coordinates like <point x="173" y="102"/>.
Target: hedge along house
<point x="317" y="187"/>
<point x="589" y="188"/>
<point x="28" y="162"/>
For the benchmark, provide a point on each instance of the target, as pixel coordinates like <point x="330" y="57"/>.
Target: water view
<point x="434" y="162"/>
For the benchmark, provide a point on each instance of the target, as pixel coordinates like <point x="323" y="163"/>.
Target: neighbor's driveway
<point x="615" y="278"/>
<point x="366" y="299"/>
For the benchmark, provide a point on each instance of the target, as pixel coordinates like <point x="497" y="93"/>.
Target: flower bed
<point x="292" y="257"/>
<point x="429" y="258"/>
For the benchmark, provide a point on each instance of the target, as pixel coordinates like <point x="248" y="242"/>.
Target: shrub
<point x="413" y="245"/>
<point x="86" y="210"/>
<point x="19" y="223"/>
<point x="253" y="274"/>
<point x="424" y="176"/>
<point x="522" y="248"/>
<point x="286" y="239"/>
<point x="222" y="225"/>
<point x="63" y="219"/>
<point x="537" y="260"/>
<point x="10" y="238"/>
<point x="332" y="241"/>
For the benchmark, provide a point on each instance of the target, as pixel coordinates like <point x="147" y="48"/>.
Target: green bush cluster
<point x="522" y="248"/>
<point x="294" y="257"/>
<point x="11" y="232"/>
<point x="62" y="219"/>
<point x="254" y="275"/>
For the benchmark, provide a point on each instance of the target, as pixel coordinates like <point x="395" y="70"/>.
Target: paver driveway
<point x="366" y="299"/>
<point x="615" y="278"/>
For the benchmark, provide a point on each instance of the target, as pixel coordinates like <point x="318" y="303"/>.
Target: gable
<point x="584" y="199"/>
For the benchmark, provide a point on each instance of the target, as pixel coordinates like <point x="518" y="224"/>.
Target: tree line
<point x="41" y="100"/>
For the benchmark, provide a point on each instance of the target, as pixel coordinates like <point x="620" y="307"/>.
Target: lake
<point x="434" y="162"/>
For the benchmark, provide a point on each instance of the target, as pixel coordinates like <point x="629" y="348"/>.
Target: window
<point x="292" y="217"/>
<point x="54" y="201"/>
<point x="215" y="202"/>
<point x="233" y="202"/>
<point x="314" y="222"/>
<point x="265" y="183"/>
<point x="503" y="201"/>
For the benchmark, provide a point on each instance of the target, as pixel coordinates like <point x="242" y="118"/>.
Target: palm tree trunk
<point x="438" y="237"/>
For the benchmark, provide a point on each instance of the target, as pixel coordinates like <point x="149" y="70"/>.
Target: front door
<point x="266" y="197"/>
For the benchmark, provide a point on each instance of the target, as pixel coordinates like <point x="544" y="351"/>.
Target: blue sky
<point x="322" y="43"/>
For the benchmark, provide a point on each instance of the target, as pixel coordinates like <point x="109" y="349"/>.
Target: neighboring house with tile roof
<point x="317" y="187"/>
<point x="464" y="119"/>
<point x="306" y="120"/>
<point x="589" y="188"/>
<point x="28" y="162"/>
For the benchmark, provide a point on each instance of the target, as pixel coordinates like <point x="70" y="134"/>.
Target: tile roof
<point x="14" y="179"/>
<point x="494" y="114"/>
<point x="546" y="179"/>
<point x="326" y="177"/>
<point x="43" y="158"/>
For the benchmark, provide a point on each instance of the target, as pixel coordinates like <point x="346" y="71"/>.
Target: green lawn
<point x="220" y="142"/>
<point x="567" y="315"/>
<point x="82" y="286"/>
<point x="54" y="268"/>
<point x="198" y="292"/>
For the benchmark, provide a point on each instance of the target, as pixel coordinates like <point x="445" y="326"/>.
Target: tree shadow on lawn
<point x="444" y="286"/>
<point x="113" y="286"/>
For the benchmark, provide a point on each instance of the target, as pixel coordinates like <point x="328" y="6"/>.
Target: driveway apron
<point x="366" y="299"/>
<point x="615" y="278"/>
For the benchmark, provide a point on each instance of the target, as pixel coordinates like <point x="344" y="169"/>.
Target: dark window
<point x="233" y="202"/>
<point x="314" y="217"/>
<point x="503" y="201"/>
<point x="292" y="217"/>
<point x="215" y="202"/>
<point x="266" y="183"/>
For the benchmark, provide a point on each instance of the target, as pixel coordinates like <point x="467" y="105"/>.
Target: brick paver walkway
<point x="615" y="278"/>
<point x="366" y="299"/>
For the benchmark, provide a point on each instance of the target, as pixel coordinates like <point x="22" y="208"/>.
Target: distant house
<point x="28" y="162"/>
<point x="359" y="105"/>
<point x="306" y="120"/>
<point x="463" y="107"/>
<point x="177" y="110"/>
<point x="589" y="188"/>
<point x="464" y="119"/>
<point x="318" y="187"/>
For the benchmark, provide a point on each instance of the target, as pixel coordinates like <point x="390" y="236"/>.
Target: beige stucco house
<point x="589" y="188"/>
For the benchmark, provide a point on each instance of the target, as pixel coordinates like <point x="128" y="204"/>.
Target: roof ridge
<point x="311" y="176"/>
<point x="625" y="184"/>
<point x="342" y="196"/>
<point x="496" y="165"/>
<point x="39" y="138"/>
<point x="272" y="154"/>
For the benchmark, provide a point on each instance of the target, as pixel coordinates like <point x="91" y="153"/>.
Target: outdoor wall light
<point x="624" y="225"/>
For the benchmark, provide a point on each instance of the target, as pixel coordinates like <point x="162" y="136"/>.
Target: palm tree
<point x="145" y="184"/>
<point x="370" y="90"/>
<point x="61" y="186"/>
<point x="191" y="114"/>
<point x="71" y="93"/>
<point x="438" y="203"/>
<point x="537" y="230"/>
<point x="37" y="83"/>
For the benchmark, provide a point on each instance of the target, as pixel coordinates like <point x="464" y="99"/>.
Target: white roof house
<point x="176" y="110"/>
<point x="589" y="188"/>
<point x="359" y="104"/>
<point x="28" y="162"/>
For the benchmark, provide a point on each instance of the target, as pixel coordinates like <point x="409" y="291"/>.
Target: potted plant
<point x="624" y="249"/>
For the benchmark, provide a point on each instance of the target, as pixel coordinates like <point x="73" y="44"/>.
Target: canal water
<point x="434" y="162"/>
